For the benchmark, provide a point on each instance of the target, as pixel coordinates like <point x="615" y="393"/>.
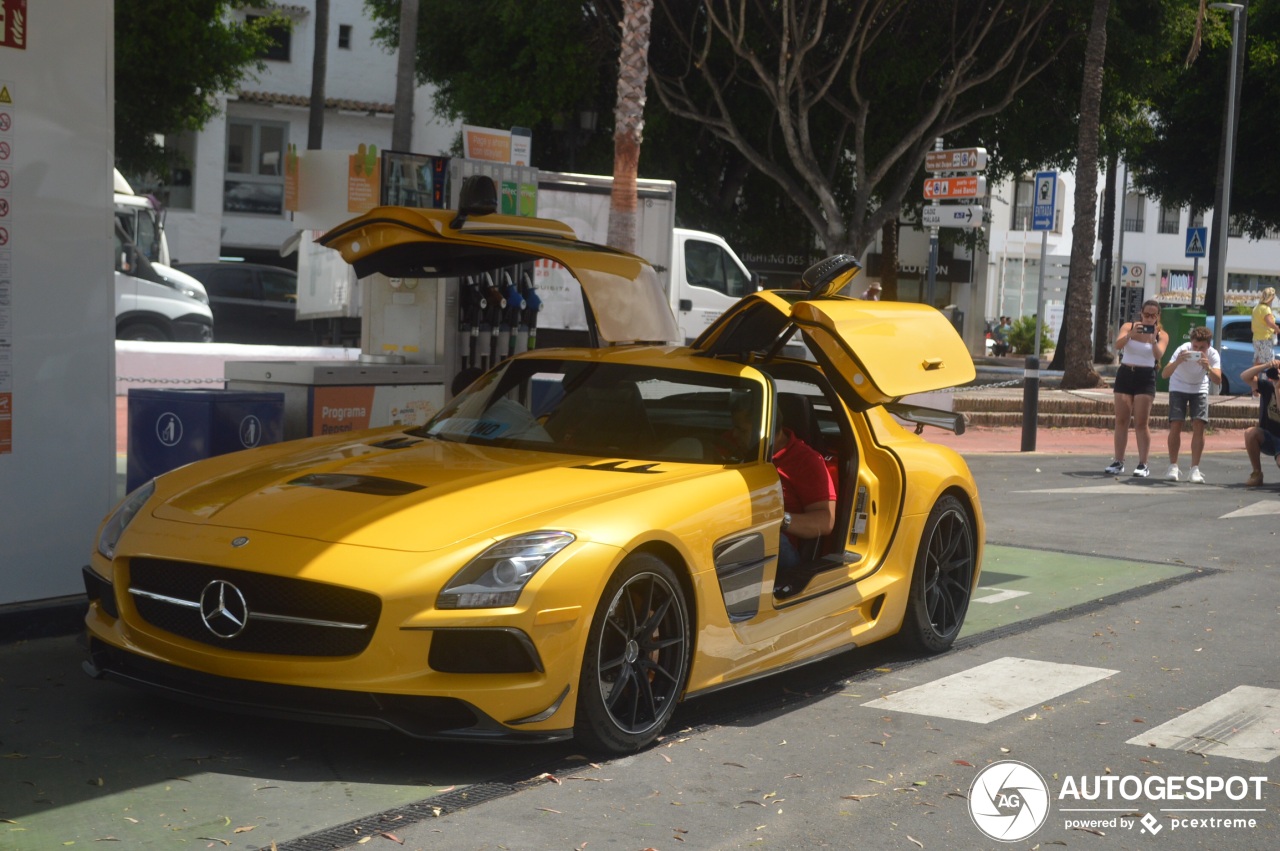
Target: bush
<point x="1022" y="337"/>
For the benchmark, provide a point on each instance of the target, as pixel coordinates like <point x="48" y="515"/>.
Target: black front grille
<point x="264" y="595"/>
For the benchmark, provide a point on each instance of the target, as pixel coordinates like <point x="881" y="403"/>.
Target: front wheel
<point x="942" y="581"/>
<point x="637" y="658"/>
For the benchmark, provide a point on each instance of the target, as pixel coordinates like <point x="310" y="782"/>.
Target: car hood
<point x="427" y="495"/>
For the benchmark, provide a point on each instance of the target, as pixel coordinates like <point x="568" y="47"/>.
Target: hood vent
<point x="356" y="484"/>
<point x="616" y="467"/>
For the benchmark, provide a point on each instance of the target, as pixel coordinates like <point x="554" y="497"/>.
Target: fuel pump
<point x="490" y="320"/>
<point x="470" y="309"/>
<point x="511" y="313"/>
<point x="529" y="315"/>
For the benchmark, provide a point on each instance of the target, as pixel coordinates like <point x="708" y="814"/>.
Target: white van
<point x="152" y="306"/>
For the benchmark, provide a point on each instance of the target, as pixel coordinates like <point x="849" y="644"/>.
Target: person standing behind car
<point x="1193" y="366"/>
<point x="1141" y="345"/>
<point x="1264" y="327"/>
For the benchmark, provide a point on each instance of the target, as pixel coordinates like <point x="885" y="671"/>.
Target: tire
<point x="942" y="582"/>
<point x="142" y="331"/>
<point x="637" y="658"/>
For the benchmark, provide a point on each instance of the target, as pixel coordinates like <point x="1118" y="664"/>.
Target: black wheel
<point x="142" y="331"/>
<point x="637" y="658"/>
<point x="1226" y="387"/>
<point x="942" y="581"/>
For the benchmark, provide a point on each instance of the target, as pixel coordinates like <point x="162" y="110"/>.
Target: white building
<point x="1004" y="279"/>
<point x="231" y="202"/>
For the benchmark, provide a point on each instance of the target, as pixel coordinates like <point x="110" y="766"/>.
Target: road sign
<point x="955" y="187"/>
<point x="1045" y="203"/>
<point x="1197" y="239"/>
<point x="952" y="215"/>
<point x="958" y="159"/>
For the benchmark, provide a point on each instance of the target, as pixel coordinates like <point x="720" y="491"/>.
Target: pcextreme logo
<point x="1009" y="801"/>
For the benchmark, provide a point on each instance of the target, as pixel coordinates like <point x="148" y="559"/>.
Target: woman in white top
<point x="1141" y="345"/>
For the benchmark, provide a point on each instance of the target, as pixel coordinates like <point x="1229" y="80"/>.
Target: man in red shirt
<point x="808" y="496"/>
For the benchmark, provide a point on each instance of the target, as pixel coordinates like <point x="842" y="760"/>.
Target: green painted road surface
<point x="1018" y="584"/>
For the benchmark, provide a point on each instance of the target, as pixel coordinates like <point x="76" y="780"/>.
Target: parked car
<point x="576" y="542"/>
<point x="1236" y="351"/>
<point x="254" y="303"/>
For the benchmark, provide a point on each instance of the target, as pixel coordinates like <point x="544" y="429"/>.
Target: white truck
<point x="700" y="273"/>
<point x="153" y="300"/>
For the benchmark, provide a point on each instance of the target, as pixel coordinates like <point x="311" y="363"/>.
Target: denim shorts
<point x="1270" y="444"/>
<point x="1183" y="406"/>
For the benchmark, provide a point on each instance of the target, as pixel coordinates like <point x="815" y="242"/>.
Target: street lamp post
<point x="1221" y="218"/>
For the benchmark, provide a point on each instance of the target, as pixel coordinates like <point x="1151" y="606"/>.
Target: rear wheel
<point x="942" y="581"/>
<point x="637" y="658"/>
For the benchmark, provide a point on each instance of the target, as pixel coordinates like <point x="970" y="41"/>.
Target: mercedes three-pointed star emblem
<point x="223" y="609"/>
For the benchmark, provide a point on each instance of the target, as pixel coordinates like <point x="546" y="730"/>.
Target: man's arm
<point x="817" y="519"/>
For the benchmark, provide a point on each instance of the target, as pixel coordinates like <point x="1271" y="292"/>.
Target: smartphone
<point x="1147" y="329"/>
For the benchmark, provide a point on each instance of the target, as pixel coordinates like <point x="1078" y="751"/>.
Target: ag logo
<point x="169" y="429"/>
<point x="250" y="431"/>
<point x="1008" y="801"/>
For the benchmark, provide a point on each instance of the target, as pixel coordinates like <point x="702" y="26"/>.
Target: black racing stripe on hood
<point x="356" y="484"/>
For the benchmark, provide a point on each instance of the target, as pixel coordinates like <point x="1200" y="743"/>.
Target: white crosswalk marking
<point x="992" y="691"/>
<point x="1001" y="595"/>
<point x="1258" y="509"/>
<point x="1147" y="488"/>
<point x="1240" y="724"/>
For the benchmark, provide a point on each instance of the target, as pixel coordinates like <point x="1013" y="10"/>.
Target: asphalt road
<point x="1126" y="630"/>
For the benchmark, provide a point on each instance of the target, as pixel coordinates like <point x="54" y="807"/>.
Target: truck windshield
<point x="142" y="228"/>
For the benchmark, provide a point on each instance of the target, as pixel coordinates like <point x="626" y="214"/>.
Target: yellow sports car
<point x="580" y="539"/>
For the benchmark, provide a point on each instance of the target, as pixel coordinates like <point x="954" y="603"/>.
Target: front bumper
<point x="424" y="717"/>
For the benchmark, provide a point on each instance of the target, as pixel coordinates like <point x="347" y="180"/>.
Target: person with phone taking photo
<point x="1141" y="345"/>
<point x="1191" y="369"/>
<point x="1264" y="438"/>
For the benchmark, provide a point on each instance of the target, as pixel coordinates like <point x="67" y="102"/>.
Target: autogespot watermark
<point x="1010" y="800"/>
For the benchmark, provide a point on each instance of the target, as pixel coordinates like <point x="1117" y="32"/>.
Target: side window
<point x="278" y="285"/>
<point x="707" y="265"/>
<point x="1237" y="332"/>
<point x="230" y="283"/>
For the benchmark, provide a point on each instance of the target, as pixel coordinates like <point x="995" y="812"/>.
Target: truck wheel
<point x="142" y="331"/>
<point x="637" y="658"/>
<point x="942" y="581"/>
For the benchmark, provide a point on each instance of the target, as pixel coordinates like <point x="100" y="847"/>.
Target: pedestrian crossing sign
<point x="1197" y="239"/>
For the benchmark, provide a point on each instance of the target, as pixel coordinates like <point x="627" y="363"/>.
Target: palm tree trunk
<point x="402" y="121"/>
<point x="319" y="70"/>
<point x="1078" y="368"/>
<point x="633" y="76"/>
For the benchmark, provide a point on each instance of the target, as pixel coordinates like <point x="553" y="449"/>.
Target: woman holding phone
<point x="1141" y="345"/>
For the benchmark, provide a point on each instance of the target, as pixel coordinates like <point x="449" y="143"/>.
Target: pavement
<point x="1152" y="600"/>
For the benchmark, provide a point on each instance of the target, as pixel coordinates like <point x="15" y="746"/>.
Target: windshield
<point x="607" y="410"/>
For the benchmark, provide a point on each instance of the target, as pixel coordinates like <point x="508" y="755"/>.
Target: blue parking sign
<point x="1044" y="204"/>
<point x="1197" y="239"/>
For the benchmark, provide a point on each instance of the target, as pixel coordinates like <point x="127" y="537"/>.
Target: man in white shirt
<point x="1190" y="370"/>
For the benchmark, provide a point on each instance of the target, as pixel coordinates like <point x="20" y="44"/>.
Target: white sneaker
<point x="1115" y="468"/>
<point x="1196" y="477"/>
<point x="1141" y="471"/>
<point x="1174" y="473"/>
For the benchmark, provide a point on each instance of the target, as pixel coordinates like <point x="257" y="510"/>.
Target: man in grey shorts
<point x="1190" y="369"/>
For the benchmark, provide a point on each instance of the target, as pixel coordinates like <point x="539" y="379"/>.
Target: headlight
<point x="496" y="577"/>
<point x="121" y="517"/>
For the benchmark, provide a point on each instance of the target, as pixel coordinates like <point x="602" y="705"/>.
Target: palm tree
<point x="319" y="70"/>
<point x="402" y="122"/>
<point x="633" y="76"/>
<point x="1078" y="368"/>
